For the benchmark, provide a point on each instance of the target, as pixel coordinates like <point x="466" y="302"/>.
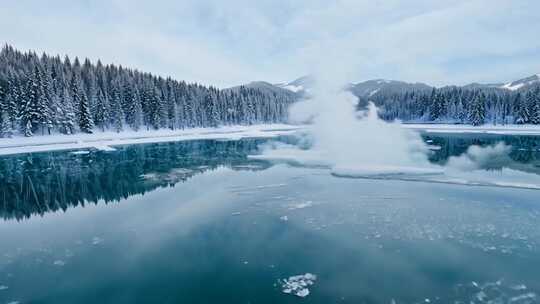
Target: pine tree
<point x="85" y="120"/>
<point x="5" y="125"/>
<point x="535" y="115"/>
<point x="477" y="112"/>
<point x="30" y="115"/>
<point x="28" y="129"/>
<point x="67" y="122"/>
<point x="523" y="115"/>
<point x="117" y="113"/>
<point x="101" y="117"/>
<point x="137" y="120"/>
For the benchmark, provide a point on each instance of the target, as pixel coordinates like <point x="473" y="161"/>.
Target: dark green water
<point x="198" y="222"/>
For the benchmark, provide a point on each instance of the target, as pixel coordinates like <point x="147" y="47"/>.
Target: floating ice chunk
<point x="149" y="176"/>
<point x="103" y="147"/>
<point x="97" y="240"/>
<point x="301" y="205"/>
<point x="80" y="152"/>
<point x="236" y="213"/>
<point x="3" y="287"/>
<point x="519" y="287"/>
<point x="14" y="302"/>
<point x="523" y="297"/>
<point x="59" y="263"/>
<point x="297" y="285"/>
<point x="284" y="218"/>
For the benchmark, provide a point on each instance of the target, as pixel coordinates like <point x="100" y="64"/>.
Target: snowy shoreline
<point x="105" y="141"/>
<point x="484" y="129"/>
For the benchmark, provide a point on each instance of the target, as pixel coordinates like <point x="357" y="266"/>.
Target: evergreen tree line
<point x="462" y="105"/>
<point x="45" y="95"/>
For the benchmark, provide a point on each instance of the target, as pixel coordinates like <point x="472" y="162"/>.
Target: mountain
<point x="483" y="86"/>
<point x="522" y="84"/>
<point x="266" y="87"/>
<point x="382" y="86"/>
<point x="378" y="87"/>
<point x="361" y="89"/>
<point x="300" y="85"/>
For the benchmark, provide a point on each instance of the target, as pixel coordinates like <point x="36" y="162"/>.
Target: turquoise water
<point x="199" y="222"/>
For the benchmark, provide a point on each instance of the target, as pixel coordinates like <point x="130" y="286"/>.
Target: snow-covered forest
<point x="46" y="95"/>
<point x="476" y="106"/>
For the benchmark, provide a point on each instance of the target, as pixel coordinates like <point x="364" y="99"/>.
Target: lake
<point x="200" y="222"/>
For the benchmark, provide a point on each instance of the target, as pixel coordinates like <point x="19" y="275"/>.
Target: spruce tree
<point x="101" y="118"/>
<point x="85" y="119"/>
<point x="477" y="113"/>
<point x="5" y="125"/>
<point x="535" y="115"/>
<point x="523" y="115"/>
<point x="67" y="123"/>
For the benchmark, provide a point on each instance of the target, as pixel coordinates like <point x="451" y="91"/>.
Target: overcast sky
<point x="231" y="42"/>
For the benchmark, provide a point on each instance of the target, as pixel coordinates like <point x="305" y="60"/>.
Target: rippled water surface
<point x="200" y="222"/>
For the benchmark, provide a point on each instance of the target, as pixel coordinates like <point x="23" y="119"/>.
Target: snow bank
<point x="105" y="140"/>
<point x="485" y="129"/>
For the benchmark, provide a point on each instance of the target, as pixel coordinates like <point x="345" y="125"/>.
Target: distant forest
<point x="45" y="95"/>
<point x="461" y="105"/>
<point x="49" y="95"/>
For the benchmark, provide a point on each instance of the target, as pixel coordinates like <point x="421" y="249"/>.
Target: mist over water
<point x="346" y="139"/>
<point x="358" y="144"/>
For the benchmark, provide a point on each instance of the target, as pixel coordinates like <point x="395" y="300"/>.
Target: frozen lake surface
<point x="201" y="222"/>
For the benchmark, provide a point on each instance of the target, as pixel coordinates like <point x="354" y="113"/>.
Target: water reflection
<point x="524" y="150"/>
<point x="35" y="184"/>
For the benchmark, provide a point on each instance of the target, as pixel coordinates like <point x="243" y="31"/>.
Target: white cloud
<point x="230" y="42"/>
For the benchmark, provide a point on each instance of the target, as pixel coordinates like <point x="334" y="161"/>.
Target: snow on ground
<point x="485" y="129"/>
<point x="104" y="141"/>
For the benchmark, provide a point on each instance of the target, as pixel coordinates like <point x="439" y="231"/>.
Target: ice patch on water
<point x="3" y="287"/>
<point x="59" y="263"/>
<point x="479" y="166"/>
<point x="103" y="147"/>
<point x="97" y="240"/>
<point x="301" y="205"/>
<point x="80" y="152"/>
<point x="298" y="285"/>
<point x="378" y="170"/>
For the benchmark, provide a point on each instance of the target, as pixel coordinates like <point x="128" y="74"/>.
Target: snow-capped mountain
<point x="300" y="85"/>
<point x="361" y="89"/>
<point x="369" y="88"/>
<point x="522" y="83"/>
